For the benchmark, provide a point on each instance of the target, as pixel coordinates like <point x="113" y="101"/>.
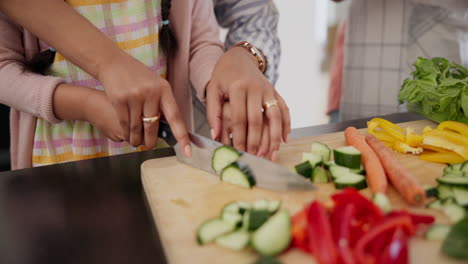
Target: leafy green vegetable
<point x="438" y="90"/>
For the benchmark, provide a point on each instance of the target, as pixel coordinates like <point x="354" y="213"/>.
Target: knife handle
<point x="165" y="133"/>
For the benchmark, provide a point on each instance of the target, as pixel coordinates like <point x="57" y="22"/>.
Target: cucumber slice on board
<point x="274" y="206"/>
<point x="436" y="204"/>
<point x="382" y="201"/>
<point x="235" y="175"/>
<point x="236" y="240"/>
<point x="261" y="205"/>
<point x="337" y="171"/>
<point x="212" y="229"/>
<point x="348" y="156"/>
<point x="454" y="211"/>
<point x="351" y="180"/>
<point x="253" y="219"/>
<point x="444" y="191"/>
<point x="321" y="149"/>
<point x="456" y="243"/>
<point x="461" y="195"/>
<point x="222" y="157"/>
<point x="232" y="217"/>
<point x="319" y="175"/>
<point x="430" y="191"/>
<point x="305" y="169"/>
<point x="314" y="159"/>
<point x="232" y="207"/>
<point x="437" y="232"/>
<point x="454" y="181"/>
<point x="328" y="164"/>
<point x="274" y="236"/>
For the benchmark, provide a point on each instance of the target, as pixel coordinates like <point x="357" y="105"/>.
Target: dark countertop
<point x="92" y="211"/>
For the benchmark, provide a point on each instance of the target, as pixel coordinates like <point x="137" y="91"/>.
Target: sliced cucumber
<point x="337" y="171"/>
<point x="454" y="181"/>
<point x="222" y="157"/>
<point x="319" y="175"/>
<point x="456" y="243"/>
<point x="232" y="207"/>
<point x="457" y="167"/>
<point x="348" y="156"/>
<point x="358" y="171"/>
<point x="430" y="191"/>
<point x="461" y="195"/>
<point x="453" y="174"/>
<point x="444" y="191"/>
<point x="454" y="212"/>
<point x="436" y="204"/>
<point x="351" y="180"/>
<point x="463" y="166"/>
<point x="212" y="229"/>
<point x="305" y="169"/>
<point x="314" y="159"/>
<point x="382" y="201"/>
<point x="328" y="164"/>
<point x="437" y="232"/>
<point x="232" y="217"/>
<point x="321" y="149"/>
<point x="235" y="175"/>
<point x="274" y="236"/>
<point x="243" y="206"/>
<point x="261" y="205"/>
<point x="236" y="240"/>
<point x="274" y="206"/>
<point x="257" y="218"/>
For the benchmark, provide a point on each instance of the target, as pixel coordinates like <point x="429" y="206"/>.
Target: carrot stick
<point x="375" y="172"/>
<point x="403" y="181"/>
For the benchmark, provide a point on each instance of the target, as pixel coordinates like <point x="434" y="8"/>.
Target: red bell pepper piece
<point x="320" y="234"/>
<point x="396" y="251"/>
<point x="341" y="219"/>
<point x="416" y="219"/>
<point x="366" y="209"/>
<point x="299" y="230"/>
<point x="361" y="253"/>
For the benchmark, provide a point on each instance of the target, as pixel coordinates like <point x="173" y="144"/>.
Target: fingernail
<point x="213" y="136"/>
<point x="274" y="155"/>
<point x="188" y="151"/>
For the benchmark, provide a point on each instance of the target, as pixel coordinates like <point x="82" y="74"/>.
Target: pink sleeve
<point x="205" y="46"/>
<point x="24" y="91"/>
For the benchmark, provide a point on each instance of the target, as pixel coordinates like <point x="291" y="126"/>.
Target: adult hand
<point x="136" y="92"/>
<point x="237" y="79"/>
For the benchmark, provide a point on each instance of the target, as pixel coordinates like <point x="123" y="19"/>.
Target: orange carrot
<point x="376" y="178"/>
<point x="401" y="179"/>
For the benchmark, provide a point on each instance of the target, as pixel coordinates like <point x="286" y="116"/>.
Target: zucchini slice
<point x="319" y="175"/>
<point x="223" y="156"/>
<point x="454" y="181"/>
<point x="274" y="236"/>
<point x="322" y="150"/>
<point x="236" y="240"/>
<point x="461" y="195"/>
<point x="351" y="180"/>
<point x="239" y="176"/>
<point x="437" y="232"/>
<point x="305" y="169"/>
<point x="348" y="156"/>
<point x="444" y="191"/>
<point x="337" y="171"/>
<point x="313" y="158"/>
<point x="212" y="229"/>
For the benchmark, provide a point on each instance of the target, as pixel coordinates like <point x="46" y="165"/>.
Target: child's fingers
<point x="226" y="127"/>
<point x="136" y="122"/>
<point x="274" y="121"/>
<point x="151" y="109"/>
<point x="238" y="98"/>
<point x="214" y="103"/>
<point x="265" y="141"/>
<point x="173" y="117"/>
<point x="255" y="118"/>
<point x="122" y="111"/>
<point x="285" y="116"/>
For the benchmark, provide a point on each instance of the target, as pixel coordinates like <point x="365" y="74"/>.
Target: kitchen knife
<point x="267" y="174"/>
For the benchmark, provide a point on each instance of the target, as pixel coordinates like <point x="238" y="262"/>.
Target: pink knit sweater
<point x="30" y="95"/>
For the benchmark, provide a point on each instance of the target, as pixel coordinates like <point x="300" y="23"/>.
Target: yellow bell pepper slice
<point x="412" y="139"/>
<point x="426" y="129"/>
<point x="404" y="148"/>
<point x="442" y="157"/>
<point x="451" y="136"/>
<point x="445" y="143"/>
<point x="387" y="123"/>
<point x="383" y="136"/>
<point x="387" y="126"/>
<point x="454" y="126"/>
<point x="435" y="149"/>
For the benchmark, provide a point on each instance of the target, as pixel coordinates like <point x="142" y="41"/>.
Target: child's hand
<point x="135" y="92"/>
<point x="100" y="113"/>
<point x="236" y="78"/>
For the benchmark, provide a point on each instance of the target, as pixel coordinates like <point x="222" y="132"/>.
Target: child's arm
<point x="132" y="88"/>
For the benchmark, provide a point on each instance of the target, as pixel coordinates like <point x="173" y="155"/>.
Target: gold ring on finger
<point x="270" y="103"/>
<point x="150" y="120"/>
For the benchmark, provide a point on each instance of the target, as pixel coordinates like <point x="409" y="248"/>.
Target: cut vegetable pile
<point x="355" y="230"/>
<point x="261" y="224"/>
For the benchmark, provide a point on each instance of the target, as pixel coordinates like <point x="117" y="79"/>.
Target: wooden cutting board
<point x="181" y="198"/>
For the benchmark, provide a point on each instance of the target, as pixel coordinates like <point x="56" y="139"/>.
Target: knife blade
<point x="267" y="174"/>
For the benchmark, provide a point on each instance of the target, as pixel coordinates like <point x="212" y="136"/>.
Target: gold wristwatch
<point x="258" y="54"/>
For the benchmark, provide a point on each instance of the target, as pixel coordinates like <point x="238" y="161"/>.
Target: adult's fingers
<point x="265" y="141"/>
<point x="136" y="134"/>
<point x="173" y="117"/>
<point x="255" y="118"/>
<point x="237" y="99"/>
<point x="214" y="104"/>
<point x="274" y="121"/>
<point x="151" y="109"/>
<point x="286" y="117"/>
